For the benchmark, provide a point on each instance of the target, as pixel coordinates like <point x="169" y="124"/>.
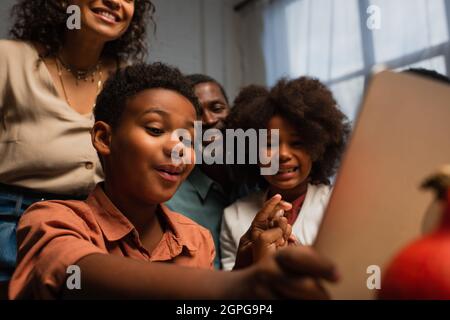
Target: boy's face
<point x="139" y="162"/>
<point x="295" y="163"/>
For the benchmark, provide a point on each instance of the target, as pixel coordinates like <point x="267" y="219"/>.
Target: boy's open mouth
<point x="170" y="173"/>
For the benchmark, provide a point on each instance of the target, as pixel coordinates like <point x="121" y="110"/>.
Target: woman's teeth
<point x="107" y="15"/>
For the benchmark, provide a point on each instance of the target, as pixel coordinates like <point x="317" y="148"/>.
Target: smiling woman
<point x="49" y="83"/>
<point x="44" y="21"/>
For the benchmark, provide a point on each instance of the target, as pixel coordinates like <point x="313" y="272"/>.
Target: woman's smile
<point x="106" y="15"/>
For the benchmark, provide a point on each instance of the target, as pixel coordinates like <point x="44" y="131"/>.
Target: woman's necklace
<point x="79" y="75"/>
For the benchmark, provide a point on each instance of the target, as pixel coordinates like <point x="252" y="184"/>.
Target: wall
<point x="5" y="7"/>
<point x="198" y="36"/>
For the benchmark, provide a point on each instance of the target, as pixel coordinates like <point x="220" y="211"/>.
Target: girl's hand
<point x="293" y="241"/>
<point x="269" y="230"/>
<point x="272" y="239"/>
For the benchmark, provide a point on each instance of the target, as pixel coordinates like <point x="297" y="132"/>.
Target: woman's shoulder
<point x="12" y="51"/>
<point x="10" y="45"/>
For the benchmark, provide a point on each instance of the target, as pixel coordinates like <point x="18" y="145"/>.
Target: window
<point x="330" y="40"/>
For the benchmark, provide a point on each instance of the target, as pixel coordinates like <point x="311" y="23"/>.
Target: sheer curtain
<point x="334" y="40"/>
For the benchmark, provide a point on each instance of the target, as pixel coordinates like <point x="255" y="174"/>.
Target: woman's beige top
<point x="45" y="145"/>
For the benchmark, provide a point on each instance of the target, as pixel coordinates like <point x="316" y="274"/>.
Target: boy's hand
<point x="290" y="273"/>
<point x="269" y="230"/>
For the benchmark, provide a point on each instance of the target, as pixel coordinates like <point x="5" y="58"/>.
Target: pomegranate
<point x="422" y="269"/>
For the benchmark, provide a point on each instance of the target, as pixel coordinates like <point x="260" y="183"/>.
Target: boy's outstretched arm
<point x="290" y="273"/>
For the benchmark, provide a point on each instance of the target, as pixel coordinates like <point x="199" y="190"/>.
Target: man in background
<point x="209" y="189"/>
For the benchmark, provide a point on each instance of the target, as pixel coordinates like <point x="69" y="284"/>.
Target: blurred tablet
<point x="402" y="135"/>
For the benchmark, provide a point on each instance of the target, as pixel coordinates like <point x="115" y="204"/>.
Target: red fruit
<point x="422" y="269"/>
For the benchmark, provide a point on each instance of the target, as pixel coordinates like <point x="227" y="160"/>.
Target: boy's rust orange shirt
<point x="52" y="235"/>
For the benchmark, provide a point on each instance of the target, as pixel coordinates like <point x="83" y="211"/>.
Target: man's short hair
<point x="198" y="78"/>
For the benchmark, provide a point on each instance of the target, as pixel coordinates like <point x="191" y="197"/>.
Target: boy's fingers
<point x="304" y="261"/>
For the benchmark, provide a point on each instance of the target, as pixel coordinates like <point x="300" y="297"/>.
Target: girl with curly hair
<point x="50" y="78"/>
<point x="312" y="136"/>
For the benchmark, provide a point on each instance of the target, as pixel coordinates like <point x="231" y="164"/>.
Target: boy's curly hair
<point x="309" y="106"/>
<point x="44" y="22"/>
<point x="129" y="81"/>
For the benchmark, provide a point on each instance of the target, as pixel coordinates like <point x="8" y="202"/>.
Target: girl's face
<point x="108" y="19"/>
<point x="295" y="163"/>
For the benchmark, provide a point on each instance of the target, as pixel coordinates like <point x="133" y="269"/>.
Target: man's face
<point x="141" y="146"/>
<point x="214" y="105"/>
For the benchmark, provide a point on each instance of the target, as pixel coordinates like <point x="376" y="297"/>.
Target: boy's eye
<point x="154" y="131"/>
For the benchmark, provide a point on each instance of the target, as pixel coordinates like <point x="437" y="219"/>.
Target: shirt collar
<point x="175" y="240"/>
<point x="116" y="226"/>
<point x="201" y="182"/>
<point x="113" y="223"/>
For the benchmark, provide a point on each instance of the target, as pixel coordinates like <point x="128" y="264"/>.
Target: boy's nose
<point x="173" y="146"/>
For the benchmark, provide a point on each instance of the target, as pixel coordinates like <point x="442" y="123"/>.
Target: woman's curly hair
<point x="44" y="21"/>
<point x="309" y="106"/>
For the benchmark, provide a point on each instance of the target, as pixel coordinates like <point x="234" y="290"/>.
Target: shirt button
<point x="89" y="165"/>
